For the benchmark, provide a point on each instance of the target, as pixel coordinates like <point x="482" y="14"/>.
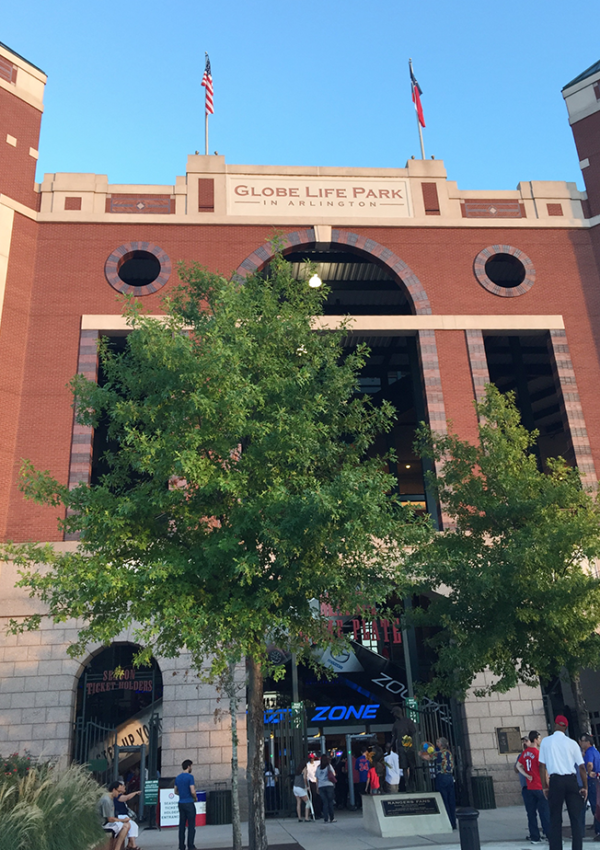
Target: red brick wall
<point x="587" y="140"/>
<point x="457" y="383"/>
<point x="17" y="167"/>
<point x="13" y="347"/>
<point x="69" y="281"/>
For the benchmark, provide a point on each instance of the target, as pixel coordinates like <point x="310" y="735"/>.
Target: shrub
<point x="49" y="808"/>
<point x="14" y="767"/>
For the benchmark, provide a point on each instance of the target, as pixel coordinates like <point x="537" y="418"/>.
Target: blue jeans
<point x="187" y="813"/>
<point x="326" y="793"/>
<point x="444" y="783"/>
<point x="536" y="803"/>
<point x="592" y="800"/>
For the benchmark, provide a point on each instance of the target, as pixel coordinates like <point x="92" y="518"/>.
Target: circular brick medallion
<point x="139" y="268"/>
<point x="504" y="270"/>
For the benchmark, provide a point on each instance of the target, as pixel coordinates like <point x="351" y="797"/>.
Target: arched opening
<point x="358" y="286"/>
<point x="120" y="704"/>
<point x="362" y="285"/>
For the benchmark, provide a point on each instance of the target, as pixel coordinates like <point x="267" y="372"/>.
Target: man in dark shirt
<point x="185" y="789"/>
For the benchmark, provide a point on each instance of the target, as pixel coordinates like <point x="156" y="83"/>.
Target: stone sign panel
<point x="402" y="807"/>
<point x="335" y="196"/>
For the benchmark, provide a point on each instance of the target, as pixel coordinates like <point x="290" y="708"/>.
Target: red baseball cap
<point x="561" y="720"/>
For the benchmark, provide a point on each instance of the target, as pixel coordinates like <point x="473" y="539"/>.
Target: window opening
<point x="139" y="268"/>
<point x="505" y="270"/>
<point x="525" y="364"/>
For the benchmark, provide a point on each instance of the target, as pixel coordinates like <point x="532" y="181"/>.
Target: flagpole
<point x="419" y="128"/>
<point x="420" y="138"/>
<point x="208" y="99"/>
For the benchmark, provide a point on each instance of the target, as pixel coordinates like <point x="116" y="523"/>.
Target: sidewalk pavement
<point x="499" y="829"/>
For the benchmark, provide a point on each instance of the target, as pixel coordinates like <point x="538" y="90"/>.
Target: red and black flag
<point x="417" y="91"/>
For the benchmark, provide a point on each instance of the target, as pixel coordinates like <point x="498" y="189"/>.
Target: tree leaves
<point x="238" y="488"/>
<point x="517" y="591"/>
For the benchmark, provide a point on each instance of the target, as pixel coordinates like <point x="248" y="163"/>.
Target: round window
<point x="138" y="268"/>
<point x="504" y="270"/>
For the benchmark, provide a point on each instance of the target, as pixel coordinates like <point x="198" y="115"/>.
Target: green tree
<point x="518" y="590"/>
<point x="239" y="493"/>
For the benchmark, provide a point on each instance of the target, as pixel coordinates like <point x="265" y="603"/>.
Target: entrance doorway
<point x="118" y="704"/>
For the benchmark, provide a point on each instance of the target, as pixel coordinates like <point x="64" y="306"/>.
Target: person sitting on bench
<point x="121" y="812"/>
<point x="110" y="822"/>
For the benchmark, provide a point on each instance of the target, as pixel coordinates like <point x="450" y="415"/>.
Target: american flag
<point x="208" y="84"/>
<point x="417" y="91"/>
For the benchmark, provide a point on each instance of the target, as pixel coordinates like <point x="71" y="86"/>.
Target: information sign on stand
<point x="169" y="808"/>
<point x="151" y="792"/>
<point x="297" y="708"/>
<point x="412" y="709"/>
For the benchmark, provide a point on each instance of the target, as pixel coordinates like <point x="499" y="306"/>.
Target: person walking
<point x="300" y="790"/>
<point x="373" y="785"/>
<point x="443" y="761"/>
<point x="185" y="788"/>
<point x="591" y="759"/>
<point x="528" y="764"/>
<point x="311" y="773"/>
<point x="360" y="774"/>
<point x="271" y="777"/>
<point x="559" y="759"/>
<point x="393" y="774"/>
<point x="326" y="788"/>
<point x="341" y="788"/>
<point x="522" y="780"/>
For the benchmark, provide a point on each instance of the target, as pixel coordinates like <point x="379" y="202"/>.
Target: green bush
<point x="48" y="808"/>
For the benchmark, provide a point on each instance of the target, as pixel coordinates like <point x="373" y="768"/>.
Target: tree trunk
<point x="583" y="717"/>
<point x="257" y="831"/>
<point x="236" y="823"/>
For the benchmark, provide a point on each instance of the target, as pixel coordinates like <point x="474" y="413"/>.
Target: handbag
<point x="332" y="776"/>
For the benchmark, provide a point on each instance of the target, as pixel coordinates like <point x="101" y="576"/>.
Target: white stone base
<point x="377" y="823"/>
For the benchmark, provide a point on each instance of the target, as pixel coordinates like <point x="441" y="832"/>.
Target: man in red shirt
<point x="528" y="764"/>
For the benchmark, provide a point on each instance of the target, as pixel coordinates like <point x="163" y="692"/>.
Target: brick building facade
<point x="500" y="285"/>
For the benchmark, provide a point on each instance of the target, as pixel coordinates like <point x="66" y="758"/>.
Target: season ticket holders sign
<point x="335" y="197"/>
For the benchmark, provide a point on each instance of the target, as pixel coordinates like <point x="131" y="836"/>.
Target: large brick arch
<point x="381" y="255"/>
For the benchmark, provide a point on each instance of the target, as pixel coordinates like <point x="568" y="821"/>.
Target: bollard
<point x="468" y="829"/>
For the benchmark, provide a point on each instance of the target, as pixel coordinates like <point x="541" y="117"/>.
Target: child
<point x="372" y="786"/>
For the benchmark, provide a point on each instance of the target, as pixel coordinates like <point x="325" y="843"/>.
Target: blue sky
<point x="316" y="82"/>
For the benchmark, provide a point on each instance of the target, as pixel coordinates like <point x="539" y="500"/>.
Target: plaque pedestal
<point x="393" y="815"/>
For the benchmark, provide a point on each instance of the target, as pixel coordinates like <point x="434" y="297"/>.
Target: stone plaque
<point x="509" y="739"/>
<point x="413" y="806"/>
<point x="335" y="197"/>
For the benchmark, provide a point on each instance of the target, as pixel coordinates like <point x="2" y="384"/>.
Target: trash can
<point x="218" y="807"/>
<point x="483" y="792"/>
